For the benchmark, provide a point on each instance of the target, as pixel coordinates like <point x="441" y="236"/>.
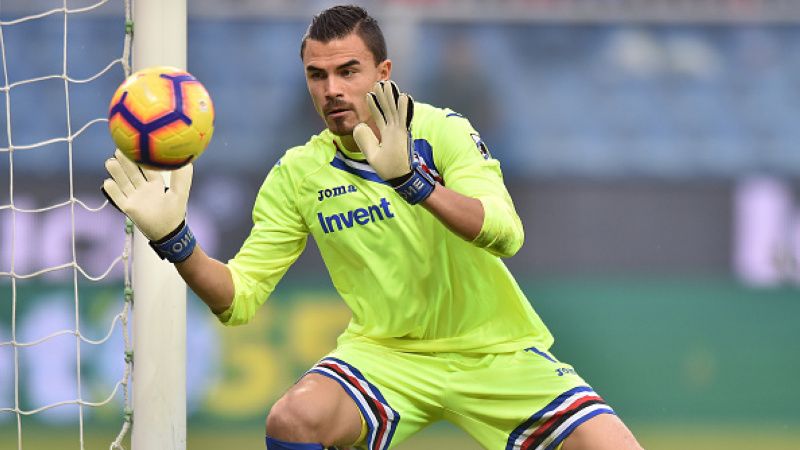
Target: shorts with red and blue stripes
<point x="523" y="400"/>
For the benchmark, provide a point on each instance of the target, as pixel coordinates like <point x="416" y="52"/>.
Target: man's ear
<point x="385" y="70"/>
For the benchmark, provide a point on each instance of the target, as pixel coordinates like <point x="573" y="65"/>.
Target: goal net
<point x="66" y="272"/>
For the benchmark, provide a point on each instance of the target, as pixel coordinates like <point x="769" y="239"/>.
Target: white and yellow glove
<point x="158" y="212"/>
<point x="393" y="157"/>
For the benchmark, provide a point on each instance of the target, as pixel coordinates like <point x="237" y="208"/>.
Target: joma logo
<point x="335" y="192"/>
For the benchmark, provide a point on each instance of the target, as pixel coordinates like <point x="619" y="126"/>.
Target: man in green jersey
<point x="411" y="217"/>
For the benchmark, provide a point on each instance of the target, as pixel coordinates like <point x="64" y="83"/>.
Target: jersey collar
<point x="337" y="143"/>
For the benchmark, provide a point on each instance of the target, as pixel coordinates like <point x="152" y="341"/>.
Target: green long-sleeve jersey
<point x="410" y="283"/>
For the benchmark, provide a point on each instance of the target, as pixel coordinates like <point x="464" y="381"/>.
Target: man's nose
<point x="333" y="87"/>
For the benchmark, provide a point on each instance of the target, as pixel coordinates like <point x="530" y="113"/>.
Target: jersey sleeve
<point x="468" y="168"/>
<point x="278" y="237"/>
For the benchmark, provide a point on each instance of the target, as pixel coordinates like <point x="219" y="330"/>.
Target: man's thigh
<point x="520" y="401"/>
<point x="604" y="432"/>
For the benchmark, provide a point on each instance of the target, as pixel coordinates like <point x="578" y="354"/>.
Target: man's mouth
<point x="337" y="111"/>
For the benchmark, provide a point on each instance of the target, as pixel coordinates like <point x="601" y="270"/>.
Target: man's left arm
<point x="476" y="206"/>
<point x="463" y="215"/>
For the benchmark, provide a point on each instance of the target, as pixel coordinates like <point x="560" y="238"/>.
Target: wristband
<point x="416" y="186"/>
<point x="176" y="246"/>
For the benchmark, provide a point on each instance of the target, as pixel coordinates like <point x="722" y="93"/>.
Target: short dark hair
<point x="339" y="21"/>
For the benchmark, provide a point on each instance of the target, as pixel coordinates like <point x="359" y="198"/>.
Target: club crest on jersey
<point x="481" y="146"/>
<point x="335" y="192"/>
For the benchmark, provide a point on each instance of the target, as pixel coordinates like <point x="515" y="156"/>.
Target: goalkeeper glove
<point x="158" y="212"/>
<point x="393" y="157"/>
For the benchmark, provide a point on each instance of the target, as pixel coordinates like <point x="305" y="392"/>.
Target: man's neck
<point x="349" y="143"/>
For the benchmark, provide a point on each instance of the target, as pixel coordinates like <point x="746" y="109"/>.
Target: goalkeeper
<point x="411" y="217"/>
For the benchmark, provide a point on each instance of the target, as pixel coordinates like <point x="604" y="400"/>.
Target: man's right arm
<point x="209" y="278"/>
<point x="160" y="215"/>
<point x="234" y="290"/>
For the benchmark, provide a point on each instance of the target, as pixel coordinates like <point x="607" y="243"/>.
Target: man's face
<point x="339" y="74"/>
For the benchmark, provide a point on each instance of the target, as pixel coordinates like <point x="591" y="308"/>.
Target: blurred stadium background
<point x="651" y="147"/>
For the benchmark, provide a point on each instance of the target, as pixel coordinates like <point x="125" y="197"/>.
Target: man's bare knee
<point x="315" y="410"/>
<point x="293" y="420"/>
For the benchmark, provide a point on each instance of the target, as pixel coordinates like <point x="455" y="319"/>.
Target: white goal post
<point x="159" y="306"/>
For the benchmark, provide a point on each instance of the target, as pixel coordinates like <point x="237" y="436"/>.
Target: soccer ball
<point x="161" y="117"/>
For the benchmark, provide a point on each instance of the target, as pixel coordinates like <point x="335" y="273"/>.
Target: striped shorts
<point x="524" y="400"/>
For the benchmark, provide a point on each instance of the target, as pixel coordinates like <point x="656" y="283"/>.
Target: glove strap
<point x="416" y="186"/>
<point x="176" y="246"/>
